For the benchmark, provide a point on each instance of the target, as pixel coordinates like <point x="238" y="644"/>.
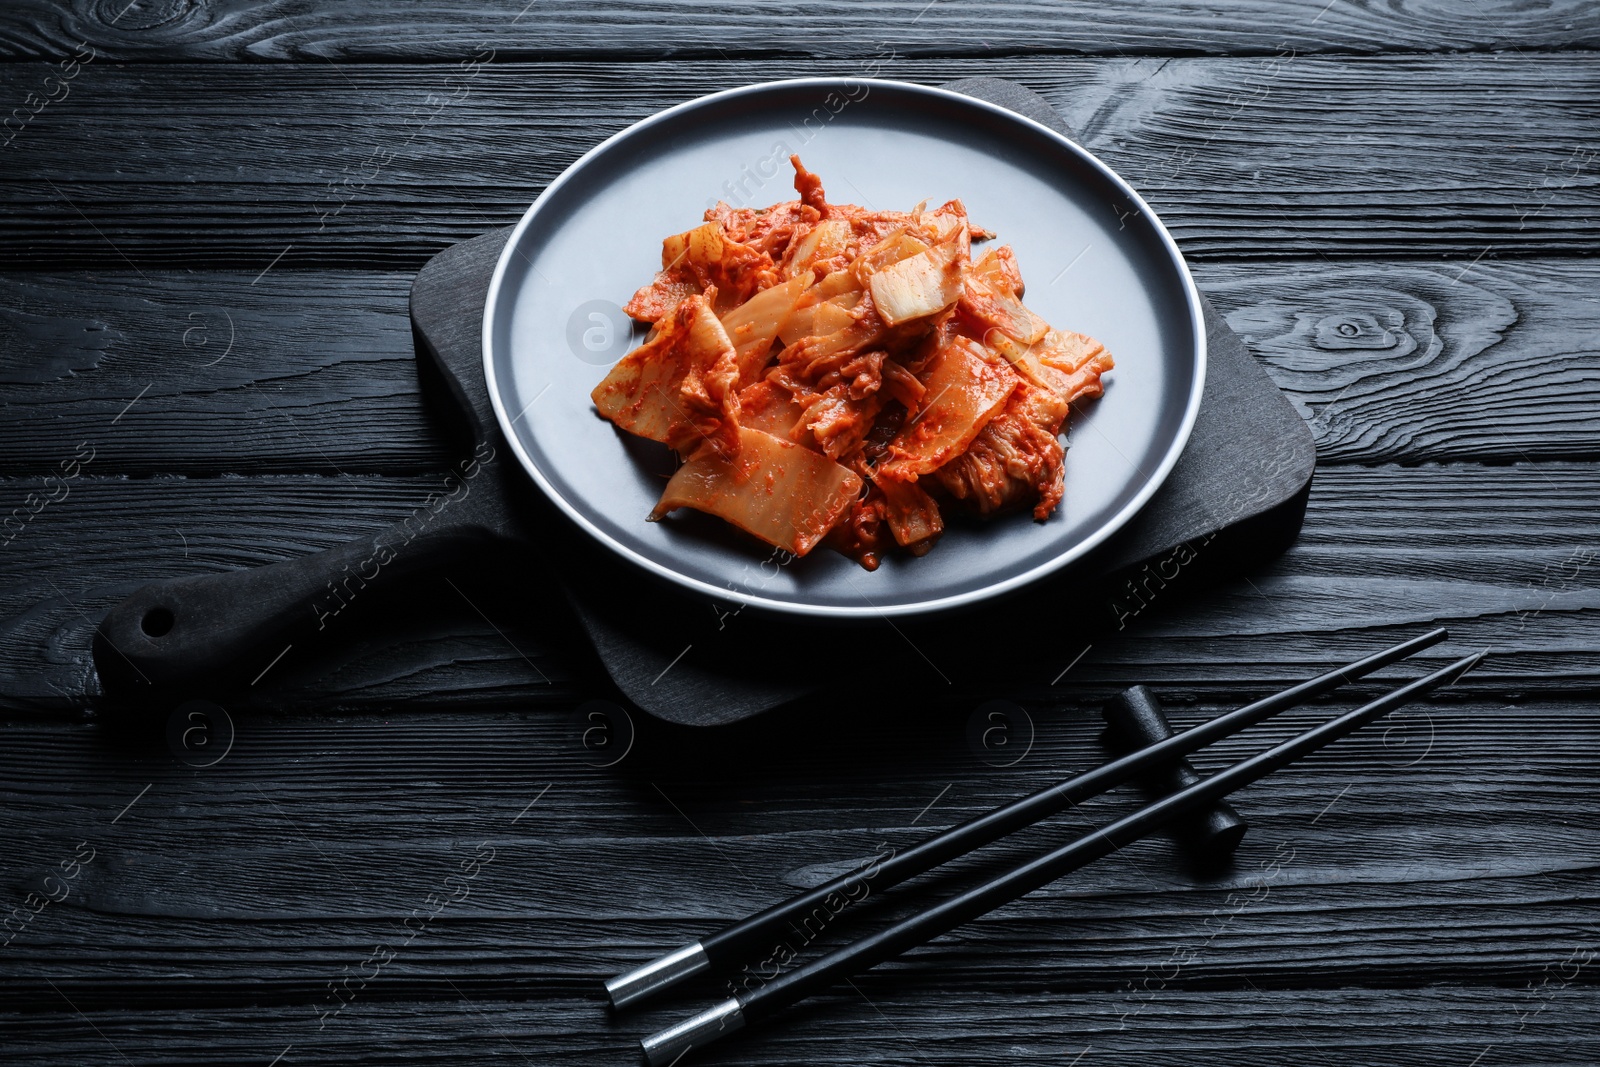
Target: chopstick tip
<point x="1462" y="666"/>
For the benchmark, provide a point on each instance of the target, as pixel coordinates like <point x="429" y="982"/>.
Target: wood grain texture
<point x="1402" y="857"/>
<point x="1472" y="158"/>
<point x="677" y="835"/>
<point x="312" y="371"/>
<point x="197" y="373"/>
<point x="1505" y="555"/>
<point x="1416" y="363"/>
<point x="1332" y="1028"/>
<point x="170" y="30"/>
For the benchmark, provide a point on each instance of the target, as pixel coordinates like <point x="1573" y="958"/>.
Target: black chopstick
<point x="785" y="989"/>
<point x="756" y="934"/>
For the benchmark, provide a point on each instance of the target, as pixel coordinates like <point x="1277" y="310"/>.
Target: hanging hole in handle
<point x="157" y="622"/>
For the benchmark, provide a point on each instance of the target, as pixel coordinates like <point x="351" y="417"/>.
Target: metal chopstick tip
<point x="657" y="975"/>
<point x="666" y="1047"/>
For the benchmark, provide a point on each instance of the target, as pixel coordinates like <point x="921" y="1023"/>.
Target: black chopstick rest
<point x="1135" y="720"/>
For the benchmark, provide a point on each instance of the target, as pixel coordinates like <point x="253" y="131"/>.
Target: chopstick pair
<point x="759" y="931"/>
<point x="736" y="943"/>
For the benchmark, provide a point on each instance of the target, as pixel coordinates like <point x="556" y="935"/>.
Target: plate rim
<point x="867" y="610"/>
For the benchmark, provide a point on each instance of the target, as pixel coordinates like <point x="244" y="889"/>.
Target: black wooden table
<point x="410" y="854"/>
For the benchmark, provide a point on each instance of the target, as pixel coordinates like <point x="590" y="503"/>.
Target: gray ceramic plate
<point x="1094" y="256"/>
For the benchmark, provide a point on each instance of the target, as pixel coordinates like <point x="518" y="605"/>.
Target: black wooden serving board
<point x="1236" y="495"/>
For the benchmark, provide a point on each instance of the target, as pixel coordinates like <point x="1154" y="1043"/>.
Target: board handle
<point x="226" y="628"/>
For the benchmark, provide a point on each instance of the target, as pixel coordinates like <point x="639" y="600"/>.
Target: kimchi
<point x="830" y="374"/>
